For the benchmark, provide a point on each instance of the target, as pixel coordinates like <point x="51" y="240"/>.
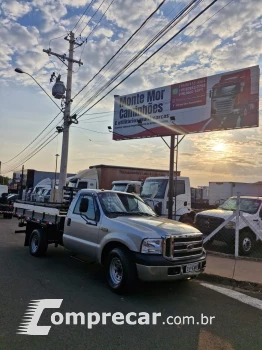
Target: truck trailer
<point x="102" y="176"/>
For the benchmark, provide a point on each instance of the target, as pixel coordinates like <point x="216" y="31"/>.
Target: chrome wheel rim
<point x="34" y="244"/>
<point x="247" y="244"/>
<point x="116" y="270"/>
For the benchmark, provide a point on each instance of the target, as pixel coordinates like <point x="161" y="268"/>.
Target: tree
<point x="4" y="180"/>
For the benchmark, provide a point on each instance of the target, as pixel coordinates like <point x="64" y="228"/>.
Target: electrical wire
<point x="152" y="42"/>
<point x="33" y="139"/>
<point x="92" y="31"/>
<point x="147" y="59"/>
<point x="114" y="59"/>
<point x="130" y="38"/>
<point x="92" y="17"/>
<point x="32" y="155"/>
<point x="88" y="6"/>
<point x="97" y="132"/>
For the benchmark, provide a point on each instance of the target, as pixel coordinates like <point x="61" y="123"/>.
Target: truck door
<point x="82" y="229"/>
<point x="181" y="196"/>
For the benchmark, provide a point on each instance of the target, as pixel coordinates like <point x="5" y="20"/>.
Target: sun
<point x="219" y="147"/>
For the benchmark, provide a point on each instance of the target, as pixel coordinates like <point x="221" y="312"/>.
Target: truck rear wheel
<point x="246" y="242"/>
<point x="121" y="271"/>
<point x="38" y="243"/>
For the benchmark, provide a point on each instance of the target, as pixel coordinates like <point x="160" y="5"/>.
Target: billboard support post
<point x="171" y="176"/>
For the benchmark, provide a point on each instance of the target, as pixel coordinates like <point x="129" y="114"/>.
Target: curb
<point x="249" y="286"/>
<point x="230" y="256"/>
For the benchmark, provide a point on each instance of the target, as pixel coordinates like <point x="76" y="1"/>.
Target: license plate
<point x="192" y="267"/>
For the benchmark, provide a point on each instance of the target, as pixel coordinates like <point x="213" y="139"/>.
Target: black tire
<point x="38" y="243"/>
<point x="123" y="280"/>
<point x="247" y="242"/>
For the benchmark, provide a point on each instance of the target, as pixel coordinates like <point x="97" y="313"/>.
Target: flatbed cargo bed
<point x="46" y="213"/>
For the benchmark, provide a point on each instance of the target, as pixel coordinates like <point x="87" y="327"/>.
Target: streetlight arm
<point x="44" y="91"/>
<point x="18" y="70"/>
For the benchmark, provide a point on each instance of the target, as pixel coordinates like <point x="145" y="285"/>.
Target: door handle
<point x="68" y="222"/>
<point x="255" y="220"/>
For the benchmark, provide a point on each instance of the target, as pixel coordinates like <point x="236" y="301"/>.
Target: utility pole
<point x="67" y="118"/>
<point x="21" y="183"/>
<point x="171" y="177"/>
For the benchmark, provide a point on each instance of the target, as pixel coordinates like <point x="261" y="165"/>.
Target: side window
<point x="82" y="184"/>
<point x="131" y="188"/>
<point x="90" y="214"/>
<point x="179" y="187"/>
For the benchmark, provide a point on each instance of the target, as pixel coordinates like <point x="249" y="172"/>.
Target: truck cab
<point x="127" y="186"/>
<point x="232" y="95"/>
<point x="155" y="193"/>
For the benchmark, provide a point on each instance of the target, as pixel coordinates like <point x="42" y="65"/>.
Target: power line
<point x="139" y="28"/>
<point x="33" y="139"/>
<point x="152" y="42"/>
<point x="92" y="17"/>
<point x="147" y="59"/>
<point x="88" y="6"/>
<point x="92" y="31"/>
<point x="97" y="132"/>
<point x="32" y="155"/>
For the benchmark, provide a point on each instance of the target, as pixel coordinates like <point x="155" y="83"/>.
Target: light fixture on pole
<point x="20" y="71"/>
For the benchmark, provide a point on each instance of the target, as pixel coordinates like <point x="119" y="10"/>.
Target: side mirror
<point x="185" y="203"/>
<point x="260" y="213"/>
<point x="210" y="93"/>
<point x="83" y="205"/>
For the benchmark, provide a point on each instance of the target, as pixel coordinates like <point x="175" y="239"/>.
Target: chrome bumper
<point x="167" y="273"/>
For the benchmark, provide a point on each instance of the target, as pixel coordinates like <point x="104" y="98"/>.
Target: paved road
<point x="81" y="286"/>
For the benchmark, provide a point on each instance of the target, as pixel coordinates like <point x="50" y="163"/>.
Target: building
<point x="32" y="177"/>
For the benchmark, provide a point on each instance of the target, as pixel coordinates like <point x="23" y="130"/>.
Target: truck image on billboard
<point x="219" y="102"/>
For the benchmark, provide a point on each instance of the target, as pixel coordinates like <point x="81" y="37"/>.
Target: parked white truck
<point x="155" y="193"/>
<point x="119" y="231"/>
<point x="207" y="221"/>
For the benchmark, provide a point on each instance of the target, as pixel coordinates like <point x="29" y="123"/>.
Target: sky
<point x="227" y="37"/>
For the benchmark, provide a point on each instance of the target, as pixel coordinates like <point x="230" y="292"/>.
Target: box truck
<point x="219" y="192"/>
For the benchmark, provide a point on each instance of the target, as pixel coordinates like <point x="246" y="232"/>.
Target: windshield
<point x="226" y="90"/>
<point x="115" y="204"/>
<point x="154" y="188"/>
<point x="246" y="204"/>
<point x="119" y="187"/>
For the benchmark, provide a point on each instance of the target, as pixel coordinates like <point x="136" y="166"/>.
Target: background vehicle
<point x="155" y="193"/>
<point x="3" y="189"/>
<point x="127" y="186"/>
<point x="102" y="176"/>
<point x="45" y="196"/>
<point x="207" y="221"/>
<point x="119" y="231"/>
<point x="221" y="191"/>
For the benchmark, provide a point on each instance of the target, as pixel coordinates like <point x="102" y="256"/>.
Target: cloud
<point x="14" y="9"/>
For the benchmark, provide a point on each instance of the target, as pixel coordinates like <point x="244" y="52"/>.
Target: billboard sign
<point x="219" y="102"/>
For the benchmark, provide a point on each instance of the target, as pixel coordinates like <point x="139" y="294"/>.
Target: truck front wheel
<point x="121" y="271"/>
<point x="246" y="242"/>
<point x="38" y="243"/>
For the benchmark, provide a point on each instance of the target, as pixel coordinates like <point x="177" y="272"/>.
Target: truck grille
<point x="183" y="247"/>
<point x="224" y="106"/>
<point x="207" y="224"/>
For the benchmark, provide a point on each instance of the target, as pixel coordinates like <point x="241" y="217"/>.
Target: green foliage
<point x="4" y="180"/>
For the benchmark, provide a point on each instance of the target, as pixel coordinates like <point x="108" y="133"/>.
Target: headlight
<point x="230" y="224"/>
<point x="151" y="246"/>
